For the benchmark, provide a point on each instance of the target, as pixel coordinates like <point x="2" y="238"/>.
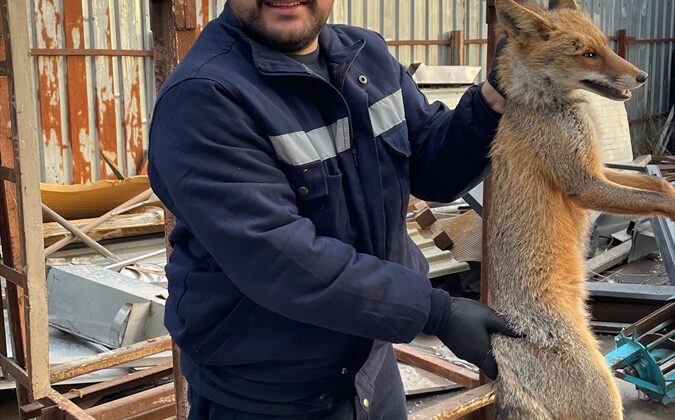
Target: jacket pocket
<point x="308" y="182"/>
<point x="396" y="143"/>
<point x="227" y="327"/>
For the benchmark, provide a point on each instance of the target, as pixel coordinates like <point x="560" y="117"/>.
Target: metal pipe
<point x="135" y="259"/>
<point x="78" y="233"/>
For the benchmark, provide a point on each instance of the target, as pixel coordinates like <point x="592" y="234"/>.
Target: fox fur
<point x="547" y="175"/>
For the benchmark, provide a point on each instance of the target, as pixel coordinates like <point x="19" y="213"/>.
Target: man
<point x="287" y="150"/>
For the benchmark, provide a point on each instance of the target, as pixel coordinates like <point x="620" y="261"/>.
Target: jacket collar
<point x="267" y="60"/>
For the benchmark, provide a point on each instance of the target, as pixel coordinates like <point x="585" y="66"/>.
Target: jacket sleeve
<point x="219" y="176"/>
<point x="449" y="148"/>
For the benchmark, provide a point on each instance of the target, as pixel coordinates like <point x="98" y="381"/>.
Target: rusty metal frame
<point x="23" y="265"/>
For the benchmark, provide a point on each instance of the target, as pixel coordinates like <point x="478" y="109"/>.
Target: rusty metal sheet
<point x="77" y="87"/>
<point x="107" y="96"/>
<point x="134" y="106"/>
<point x="49" y="34"/>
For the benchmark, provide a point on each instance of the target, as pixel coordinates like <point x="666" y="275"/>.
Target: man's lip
<point x="284" y="4"/>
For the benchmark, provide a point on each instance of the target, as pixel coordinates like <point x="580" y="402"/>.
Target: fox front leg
<point x="639" y="181"/>
<point x="596" y="193"/>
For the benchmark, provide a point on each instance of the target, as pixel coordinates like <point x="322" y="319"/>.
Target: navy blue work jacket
<point x="290" y="253"/>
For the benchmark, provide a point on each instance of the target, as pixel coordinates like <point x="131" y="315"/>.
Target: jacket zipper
<point x="344" y="102"/>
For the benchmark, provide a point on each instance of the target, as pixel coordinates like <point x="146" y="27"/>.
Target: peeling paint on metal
<point x="48" y="35"/>
<point x="105" y="95"/>
<point x="78" y="103"/>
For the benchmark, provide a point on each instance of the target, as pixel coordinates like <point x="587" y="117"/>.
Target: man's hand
<point x="492" y="91"/>
<point x="464" y="326"/>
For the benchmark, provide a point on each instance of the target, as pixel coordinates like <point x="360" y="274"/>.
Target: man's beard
<point x="281" y="40"/>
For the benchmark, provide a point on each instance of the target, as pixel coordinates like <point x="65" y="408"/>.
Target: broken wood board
<point x="417" y="381"/>
<point x="466" y="233"/>
<point x="81" y="201"/>
<point x="461" y="375"/>
<point x="457" y="406"/>
<point x="608" y="259"/>
<point x="151" y="220"/>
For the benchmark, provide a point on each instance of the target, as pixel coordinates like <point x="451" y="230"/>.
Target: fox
<point x="547" y="177"/>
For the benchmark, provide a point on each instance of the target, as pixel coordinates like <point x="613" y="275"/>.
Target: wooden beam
<point x="457" y="406"/>
<point x="609" y="259"/>
<point x="135" y="404"/>
<point x="440" y="367"/>
<point x="27" y="166"/>
<point x="457" y="48"/>
<point x="110" y="358"/>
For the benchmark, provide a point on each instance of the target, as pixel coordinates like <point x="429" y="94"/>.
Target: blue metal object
<point x="645" y="355"/>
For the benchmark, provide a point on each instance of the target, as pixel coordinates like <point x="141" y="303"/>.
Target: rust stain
<point x="133" y="121"/>
<point x="105" y="100"/>
<point x="202" y="14"/>
<point x="78" y="109"/>
<point x="47" y="28"/>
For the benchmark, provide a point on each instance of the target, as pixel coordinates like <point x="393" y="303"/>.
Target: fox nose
<point x="642" y="77"/>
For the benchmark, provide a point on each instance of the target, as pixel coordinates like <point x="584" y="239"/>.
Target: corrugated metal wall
<point x="95" y="103"/>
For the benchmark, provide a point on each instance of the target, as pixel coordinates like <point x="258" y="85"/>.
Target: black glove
<point x="492" y="76"/>
<point x="464" y="326"/>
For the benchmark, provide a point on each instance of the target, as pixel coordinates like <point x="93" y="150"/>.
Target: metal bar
<point x="14" y="370"/>
<point x="435" y="365"/>
<point x="69" y="407"/>
<point x="134" y="404"/>
<point x="110" y="358"/>
<point x="99" y="221"/>
<point x="664" y="232"/>
<point x="104" y="388"/>
<point x="135" y="259"/>
<point x="161" y="412"/>
<point x="417" y="42"/>
<point x="7" y="174"/>
<point x="89" y="52"/>
<point x="16" y="277"/>
<point x="24" y="122"/>
<point x="458" y="406"/>
<point x="78" y="233"/>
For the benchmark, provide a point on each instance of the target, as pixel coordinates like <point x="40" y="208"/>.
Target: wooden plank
<point x="135" y="404"/>
<point x="25" y="129"/>
<point x="440" y="367"/>
<point x="140" y="198"/>
<point x="110" y="358"/>
<point x="151" y="220"/>
<point x="10" y="366"/>
<point x="457" y="406"/>
<point x="50" y="78"/>
<point x="78" y="94"/>
<point x="608" y="259"/>
<point x="12" y="275"/>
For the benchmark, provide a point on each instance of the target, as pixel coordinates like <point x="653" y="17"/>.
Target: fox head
<point x="559" y="50"/>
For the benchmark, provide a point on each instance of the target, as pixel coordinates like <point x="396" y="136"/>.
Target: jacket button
<point x="363" y="79"/>
<point x="366" y="403"/>
<point x="303" y="191"/>
<point x="344" y="371"/>
<point x="322" y="397"/>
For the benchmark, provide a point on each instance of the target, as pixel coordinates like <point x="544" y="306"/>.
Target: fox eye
<point x="590" y="54"/>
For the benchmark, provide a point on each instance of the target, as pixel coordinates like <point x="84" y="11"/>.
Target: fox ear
<point x="520" y="22"/>
<point x="563" y="4"/>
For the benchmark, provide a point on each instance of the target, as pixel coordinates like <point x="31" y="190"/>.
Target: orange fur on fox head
<point x="552" y="52"/>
